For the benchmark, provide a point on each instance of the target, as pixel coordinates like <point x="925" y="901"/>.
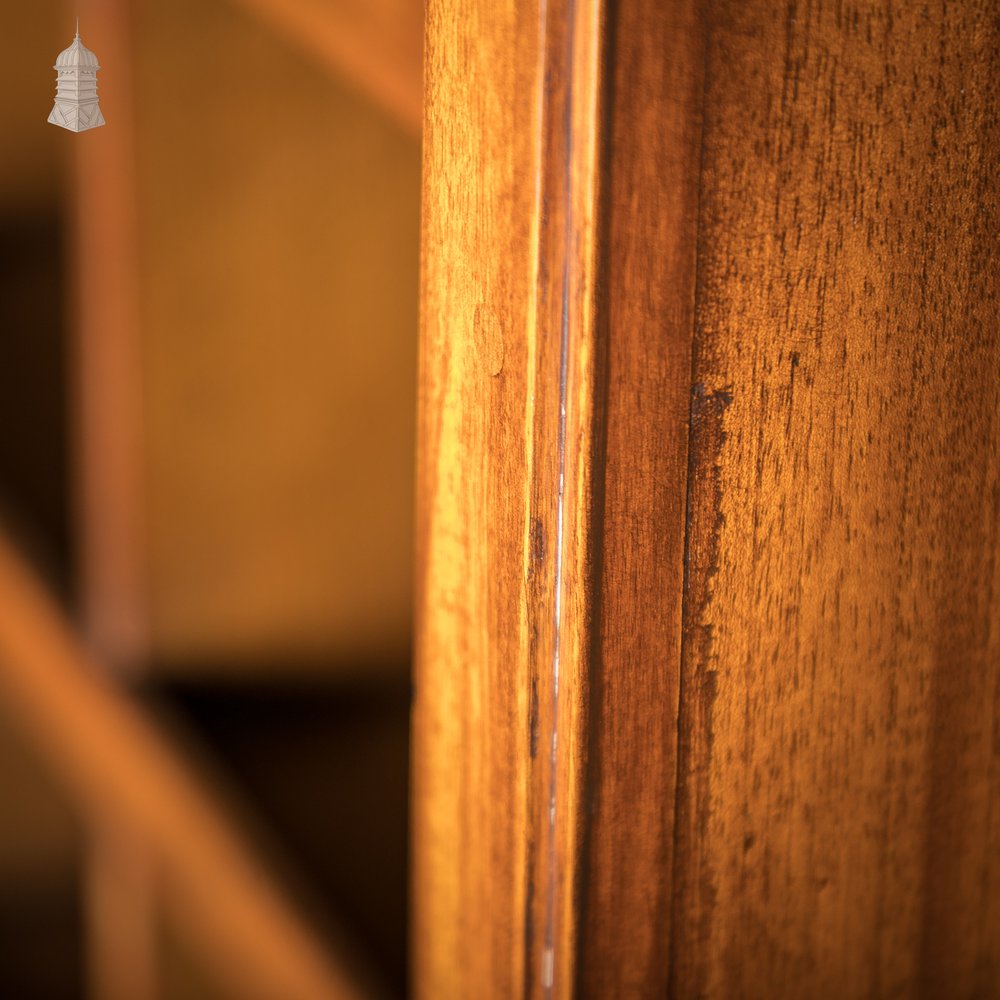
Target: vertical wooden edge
<point x="559" y="426"/>
<point x="106" y="360"/>
<point x="532" y="491"/>
<point x="555" y="562"/>
<point x="640" y="91"/>
<point x="581" y="445"/>
<point x="476" y="716"/>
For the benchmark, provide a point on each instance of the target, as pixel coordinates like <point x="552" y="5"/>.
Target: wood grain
<point x="839" y="831"/>
<point x="651" y="134"/>
<point x="472" y="696"/>
<point x="746" y="508"/>
<point x="561" y="220"/>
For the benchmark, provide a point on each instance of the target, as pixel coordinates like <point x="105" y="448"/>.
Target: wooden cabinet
<point x="706" y="695"/>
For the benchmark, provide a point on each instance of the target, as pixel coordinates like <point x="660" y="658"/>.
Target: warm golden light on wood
<point x="707" y="615"/>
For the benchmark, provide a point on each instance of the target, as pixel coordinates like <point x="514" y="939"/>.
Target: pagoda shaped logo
<point x="76" y="106"/>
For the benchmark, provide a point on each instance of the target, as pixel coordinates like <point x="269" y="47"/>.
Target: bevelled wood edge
<point x="563" y="419"/>
<point x="645" y="275"/>
<point x="551" y="492"/>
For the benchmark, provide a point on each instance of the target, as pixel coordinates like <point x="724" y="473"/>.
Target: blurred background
<point x="208" y="317"/>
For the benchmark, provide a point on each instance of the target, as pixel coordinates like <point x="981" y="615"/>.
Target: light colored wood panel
<point x="839" y="832"/>
<point x="471" y="701"/>
<point x="114" y="763"/>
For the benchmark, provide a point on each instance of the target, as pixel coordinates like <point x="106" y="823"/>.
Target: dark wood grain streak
<point x="838" y="825"/>
<point x="646" y="263"/>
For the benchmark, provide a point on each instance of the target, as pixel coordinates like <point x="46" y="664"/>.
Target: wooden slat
<point x="472" y="695"/>
<point x="561" y="145"/>
<point x="649" y="176"/>
<point x="114" y="763"/>
<point x="840" y="831"/>
<point x="374" y="44"/>
<point x="107" y="408"/>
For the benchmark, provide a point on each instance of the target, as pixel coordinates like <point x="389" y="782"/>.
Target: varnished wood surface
<point x="545" y="747"/>
<point x="116" y="767"/>
<point x="472" y="698"/>
<point x="752" y="495"/>
<point x="651" y="134"/>
<point x="840" y="830"/>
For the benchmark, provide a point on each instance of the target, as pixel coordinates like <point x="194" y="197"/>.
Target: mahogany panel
<point x="708" y="496"/>
<point x="838" y="830"/>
